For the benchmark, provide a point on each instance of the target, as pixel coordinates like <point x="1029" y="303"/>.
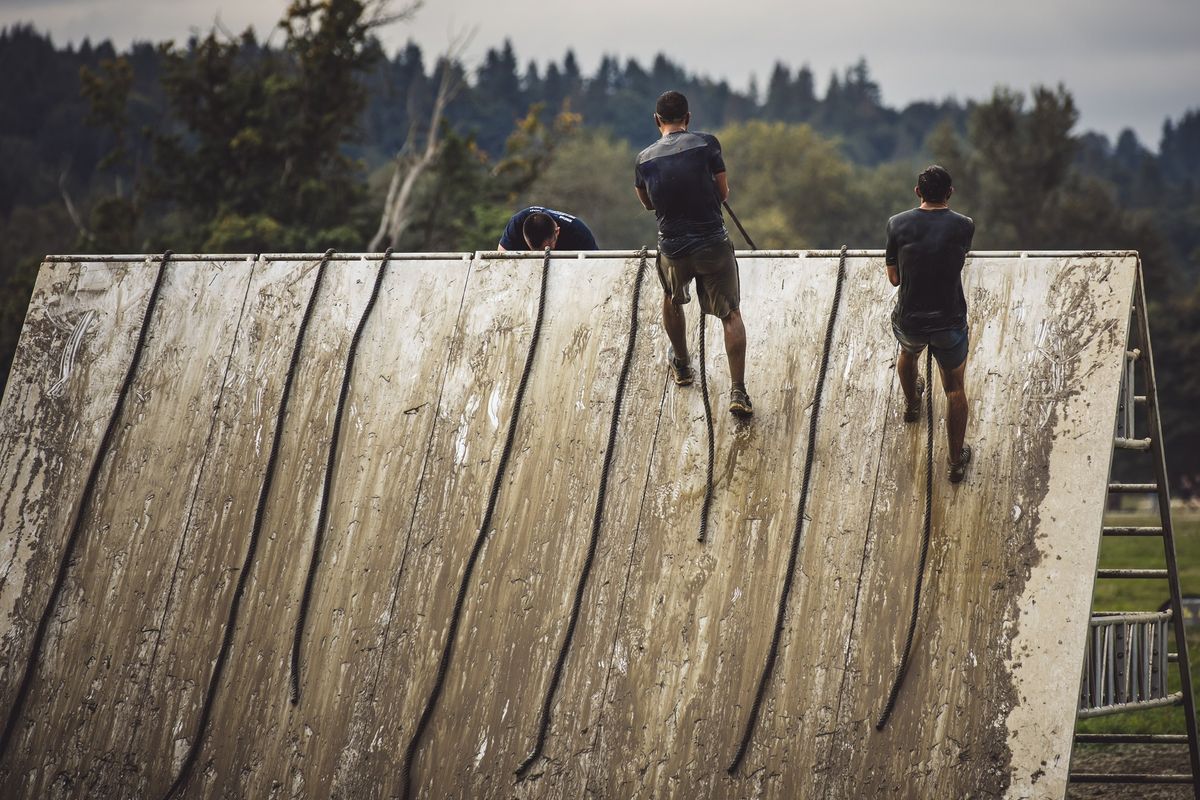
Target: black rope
<point x="264" y="492"/>
<point x="738" y="222"/>
<point x="902" y="670"/>
<point x="597" y="518"/>
<point x="798" y="531"/>
<point x="77" y="521"/>
<point x="480" y="539"/>
<point x="708" y="421"/>
<point x="326" y="490"/>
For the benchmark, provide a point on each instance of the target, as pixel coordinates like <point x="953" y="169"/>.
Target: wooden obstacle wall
<point x="673" y="633"/>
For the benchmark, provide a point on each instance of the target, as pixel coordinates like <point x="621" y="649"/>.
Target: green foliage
<point x="605" y="201"/>
<point x="258" y="157"/>
<point x="107" y="93"/>
<point x="1015" y="166"/>
<point x="792" y="188"/>
<point x="465" y="200"/>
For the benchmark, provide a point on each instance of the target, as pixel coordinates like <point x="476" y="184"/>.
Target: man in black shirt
<point x="682" y="179"/>
<point x="537" y="227"/>
<point x="926" y="248"/>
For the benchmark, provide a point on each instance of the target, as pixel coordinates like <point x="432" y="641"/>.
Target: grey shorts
<point x="948" y="347"/>
<point x="716" y="272"/>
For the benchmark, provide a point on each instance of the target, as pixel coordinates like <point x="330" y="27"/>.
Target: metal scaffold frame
<point x="1127" y="656"/>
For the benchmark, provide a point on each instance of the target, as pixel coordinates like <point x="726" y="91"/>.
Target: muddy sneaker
<point x="681" y="369"/>
<point x="739" y="403"/>
<point x="912" y="411"/>
<point x="958" y="471"/>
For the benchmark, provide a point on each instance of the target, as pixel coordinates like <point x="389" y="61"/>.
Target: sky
<point x="1129" y="63"/>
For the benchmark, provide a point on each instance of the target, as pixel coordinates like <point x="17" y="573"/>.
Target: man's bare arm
<point x="722" y="181"/>
<point x="501" y="248"/>
<point x="893" y="274"/>
<point x="644" y="196"/>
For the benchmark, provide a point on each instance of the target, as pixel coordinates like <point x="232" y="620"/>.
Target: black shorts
<point x="715" y="270"/>
<point x="948" y="347"/>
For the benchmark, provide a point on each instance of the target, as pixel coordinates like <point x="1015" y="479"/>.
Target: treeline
<point x="225" y="144"/>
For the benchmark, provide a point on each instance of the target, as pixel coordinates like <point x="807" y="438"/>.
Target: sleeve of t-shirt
<point x="970" y="232"/>
<point x="513" y="239"/>
<point x="638" y="180"/>
<point x="716" y="162"/>
<point x="892" y="251"/>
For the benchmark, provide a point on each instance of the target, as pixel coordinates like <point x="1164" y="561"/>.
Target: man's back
<point x="677" y="172"/>
<point x="929" y="247"/>
<point x="574" y="234"/>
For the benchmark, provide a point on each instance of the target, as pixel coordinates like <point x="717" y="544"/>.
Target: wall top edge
<point x="560" y="255"/>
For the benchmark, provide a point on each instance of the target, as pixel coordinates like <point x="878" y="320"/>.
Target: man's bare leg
<point x="675" y="323"/>
<point x="957" y="412"/>
<point x="735" y="347"/>
<point x="906" y="368"/>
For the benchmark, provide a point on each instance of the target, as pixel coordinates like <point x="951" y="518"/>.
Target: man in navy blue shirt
<point x="536" y="228"/>
<point x="926" y="249"/>
<point x="682" y="179"/>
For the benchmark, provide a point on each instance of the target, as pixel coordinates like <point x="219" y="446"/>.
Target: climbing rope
<point x="85" y="502"/>
<point x="597" y="518"/>
<point x="798" y="531"/>
<point x="480" y="539"/>
<point x="214" y="680"/>
<point x="323" y="513"/>
<point x="738" y="222"/>
<point x="902" y="670"/>
<point x="708" y="421"/>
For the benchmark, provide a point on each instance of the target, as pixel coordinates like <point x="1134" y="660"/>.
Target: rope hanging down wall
<point x="75" y="532"/>
<point x="326" y="489"/>
<point x="597" y="518"/>
<point x="712" y="446"/>
<point x="264" y="492"/>
<point x="798" y="531"/>
<point x="902" y="670"/>
<point x="480" y="539"/>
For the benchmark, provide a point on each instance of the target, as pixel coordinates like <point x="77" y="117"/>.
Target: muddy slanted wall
<point x="673" y="633"/>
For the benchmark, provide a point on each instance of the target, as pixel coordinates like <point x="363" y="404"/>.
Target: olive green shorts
<point x="716" y="272"/>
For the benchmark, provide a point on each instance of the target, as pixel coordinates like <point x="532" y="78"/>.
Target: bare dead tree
<point x="379" y="13"/>
<point x="409" y="164"/>
<point x="72" y="211"/>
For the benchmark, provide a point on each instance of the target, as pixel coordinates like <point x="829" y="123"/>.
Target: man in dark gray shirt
<point x="926" y="249"/>
<point x="681" y="178"/>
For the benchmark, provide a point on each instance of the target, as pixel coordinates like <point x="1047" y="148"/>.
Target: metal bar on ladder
<point x="1128" y="777"/>
<point x="1131" y="738"/>
<point x="1133" y="488"/>
<point x="1135" y="574"/>
<point x="1122" y="530"/>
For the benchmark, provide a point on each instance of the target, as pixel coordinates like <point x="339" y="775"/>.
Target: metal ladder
<point x="1128" y="655"/>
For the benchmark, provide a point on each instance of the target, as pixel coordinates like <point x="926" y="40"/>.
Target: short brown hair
<point x="538" y="229"/>
<point x="934" y="184"/>
<point x="672" y="106"/>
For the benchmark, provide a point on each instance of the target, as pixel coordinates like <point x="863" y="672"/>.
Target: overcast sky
<point x="1129" y="63"/>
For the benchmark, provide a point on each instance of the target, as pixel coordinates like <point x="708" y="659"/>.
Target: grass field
<point x="1148" y="595"/>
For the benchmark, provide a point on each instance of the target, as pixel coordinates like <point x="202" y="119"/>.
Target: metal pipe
<point x="1122" y="531"/>
<point x="1128" y="777"/>
<point x="1131" y="738"/>
<point x="1127" y="617"/>
<point x="1173" y="699"/>
<point x="1133" y="488"/>
<point x="865" y="253"/>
